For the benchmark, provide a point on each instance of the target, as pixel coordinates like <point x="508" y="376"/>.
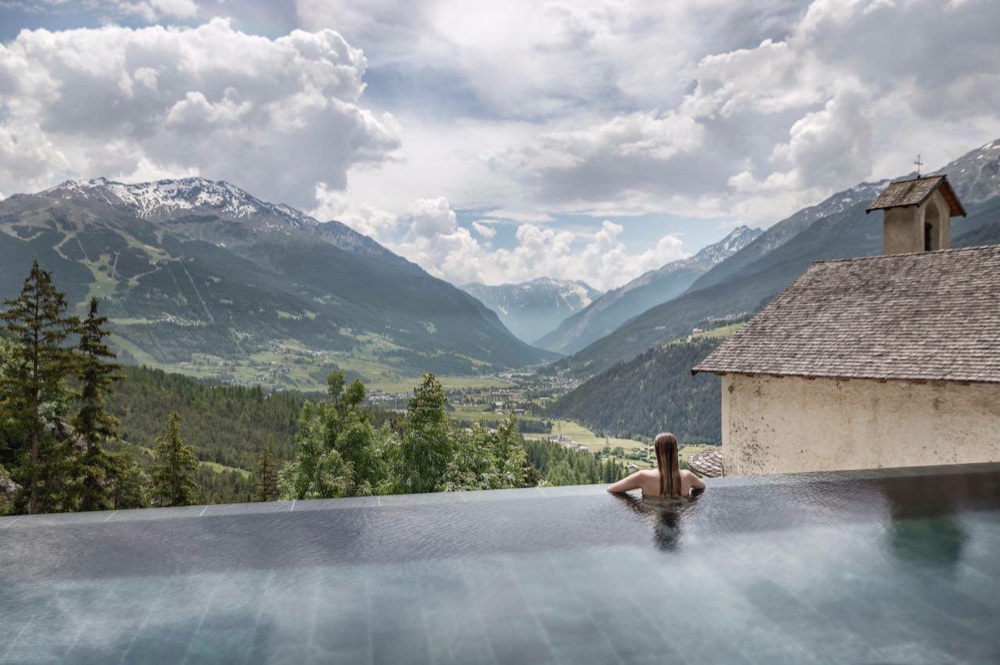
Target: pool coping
<point x="17" y="522"/>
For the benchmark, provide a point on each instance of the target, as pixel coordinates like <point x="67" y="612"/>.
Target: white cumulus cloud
<point x="484" y="230"/>
<point x="436" y="241"/>
<point x="276" y="117"/>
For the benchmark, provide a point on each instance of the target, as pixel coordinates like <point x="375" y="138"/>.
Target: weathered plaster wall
<point x="903" y="228"/>
<point x="788" y="424"/>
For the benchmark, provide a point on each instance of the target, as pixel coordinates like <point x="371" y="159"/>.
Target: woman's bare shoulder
<point x="692" y="479"/>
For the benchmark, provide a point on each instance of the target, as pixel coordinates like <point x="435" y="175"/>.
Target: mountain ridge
<point x="837" y="227"/>
<point x="195" y="266"/>
<point x="652" y="288"/>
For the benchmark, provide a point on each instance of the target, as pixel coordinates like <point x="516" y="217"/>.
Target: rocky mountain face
<point x="975" y="176"/>
<point x="530" y="309"/>
<point x="648" y="290"/>
<point x="836" y="228"/>
<point x="786" y="229"/>
<point x="191" y="266"/>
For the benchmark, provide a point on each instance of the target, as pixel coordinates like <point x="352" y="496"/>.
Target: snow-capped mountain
<point x="732" y="243"/>
<point x="167" y="199"/>
<point x="648" y="290"/>
<point x="193" y="267"/>
<point x="212" y="210"/>
<point x="529" y="309"/>
<point x="976" y="174"/>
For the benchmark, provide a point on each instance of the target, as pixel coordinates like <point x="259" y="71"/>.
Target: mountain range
<point x="652" y="288"/>
<point x="618" y="398"/>
<point x="531" y="309"/>
<point x="835" y="228"/>
<point x="201" y="272"/>
<point x="192" y="269"/>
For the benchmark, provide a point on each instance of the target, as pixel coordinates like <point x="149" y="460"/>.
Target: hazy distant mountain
<point x="530" y="309"/>
<point x="648" y="290"/>
<point x="836" y="228"/>
<point x="199" y="267"/>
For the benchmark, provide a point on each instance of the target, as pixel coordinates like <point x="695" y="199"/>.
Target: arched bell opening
<point x="932" y="228"/>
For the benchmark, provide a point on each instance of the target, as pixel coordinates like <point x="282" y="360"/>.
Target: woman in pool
<point x="668" y="480"/>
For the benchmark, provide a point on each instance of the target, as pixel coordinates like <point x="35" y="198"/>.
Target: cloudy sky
<point x="502" y="141"/>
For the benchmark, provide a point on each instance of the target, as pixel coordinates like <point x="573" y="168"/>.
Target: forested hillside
<point x="232" y="425"/>
<point x="229" y="425"/>
<point x="650" y="393"/>
<point x="560" y="465"/>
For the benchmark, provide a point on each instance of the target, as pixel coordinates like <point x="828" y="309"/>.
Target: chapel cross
<point x="919" y="164"/>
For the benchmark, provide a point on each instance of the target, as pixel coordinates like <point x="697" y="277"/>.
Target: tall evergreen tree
<point x="128" y="484"/>
<point x="339" y="452"/>
<point x="32" y="389"/>
<point x="97" y="373"/>
<point x="174" y="468"/>
<point x="266" y="488"/>
<point x="427" y="445"/>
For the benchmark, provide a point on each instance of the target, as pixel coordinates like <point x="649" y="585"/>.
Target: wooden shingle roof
<point x="708" y="463"/>
<point x="928" y="316"/>
<point x="914" y="192"/>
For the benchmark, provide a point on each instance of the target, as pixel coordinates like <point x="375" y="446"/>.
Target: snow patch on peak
<point x="864" y="192"/>
<point x="164" y="198"/>
<point x="737" y="239"/>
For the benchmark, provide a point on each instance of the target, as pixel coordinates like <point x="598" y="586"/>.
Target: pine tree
<point x="32" y="388"/>
<point x="266" y="488"/>
<point x="127" y="482"/>
<point x="175" y="467"/>
<point x="427" y="445"/>
<point x="98" y="374"/>
<point x="339" y="452"/>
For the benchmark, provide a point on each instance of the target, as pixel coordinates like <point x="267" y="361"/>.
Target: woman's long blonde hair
<point x="665" y="446"/>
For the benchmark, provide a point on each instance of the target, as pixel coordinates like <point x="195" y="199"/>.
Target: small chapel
<point x="886" y="361"/>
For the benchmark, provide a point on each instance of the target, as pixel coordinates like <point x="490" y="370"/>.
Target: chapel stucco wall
<point x="903" y="227"/>
<point x="791" y="424"/>
<point x="903" y="230"/>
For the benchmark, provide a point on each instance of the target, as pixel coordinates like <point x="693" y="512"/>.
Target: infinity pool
<point x="892" y="566"/>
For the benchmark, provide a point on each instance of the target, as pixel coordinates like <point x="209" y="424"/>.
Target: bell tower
<point x="917" y="214"/>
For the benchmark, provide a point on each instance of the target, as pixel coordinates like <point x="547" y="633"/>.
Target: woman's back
<point x="668" y="479"/>
<point x="648" y="481"/>
<point x="651" y="483"/>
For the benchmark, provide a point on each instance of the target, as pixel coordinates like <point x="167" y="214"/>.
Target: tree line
<point x="228" y="425"/>
<point x="341" y="452"/>
<point x="56" y="372"/>
<point x="64" y="399"/>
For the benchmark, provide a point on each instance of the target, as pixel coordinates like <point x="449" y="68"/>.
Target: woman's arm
<point x="696" y="482"/>
<point x="626" y="484"/>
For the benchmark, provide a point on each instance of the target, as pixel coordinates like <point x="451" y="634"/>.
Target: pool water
<point x="892" y="566"/>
